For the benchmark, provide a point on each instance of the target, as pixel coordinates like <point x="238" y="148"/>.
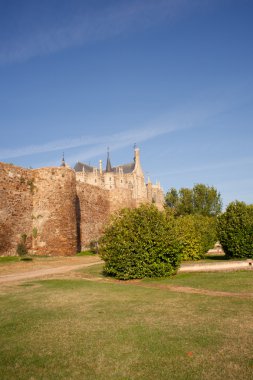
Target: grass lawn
<point x="237" y="281"/>
<point x="81" y="329"/>
<point x="9" y="259"/>
<point x="86" y="253"/>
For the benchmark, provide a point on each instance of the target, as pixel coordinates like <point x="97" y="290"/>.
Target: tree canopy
<point x="235" y="230"/>
<point x="201" y="200"/>
<point x="197" y="234"/>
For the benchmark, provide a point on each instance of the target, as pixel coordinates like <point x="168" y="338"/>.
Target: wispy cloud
<point x="95" y="143"/>
<point x="189" y="116"/>
<point x="84" y="25"/>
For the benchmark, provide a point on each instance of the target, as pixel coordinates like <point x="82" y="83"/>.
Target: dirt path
<point x="172" y="288"/>
<point x="187" y="289"/>
<point x="16" y="272"/>
<point x="50" y="268"/>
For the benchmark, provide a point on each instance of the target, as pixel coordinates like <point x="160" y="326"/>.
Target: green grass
<point x="93" y="271"/>
<point x="85" y="253"/>
<point x="237" y="281"/>
<point x="77" y="329"/>
<point x="9" y="259"/>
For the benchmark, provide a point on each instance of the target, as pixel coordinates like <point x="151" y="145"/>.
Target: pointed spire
<point x="63" y="160"/>
<point x="135" y="146"/>
<point x="108" y="162"/>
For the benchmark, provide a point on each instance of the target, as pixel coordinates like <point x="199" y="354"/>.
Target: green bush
<point x="21" y="249"/>
<point x="197" y="234"/>
<point x="235" y="230"/>
<point x="140" y="243"/>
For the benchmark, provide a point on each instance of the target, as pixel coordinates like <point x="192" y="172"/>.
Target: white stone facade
<point x="129" y="176"/>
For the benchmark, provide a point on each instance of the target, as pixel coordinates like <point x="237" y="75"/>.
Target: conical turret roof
<point x="108" y="162"/>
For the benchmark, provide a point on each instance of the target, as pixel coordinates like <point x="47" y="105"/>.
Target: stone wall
<point x="58" y="214"/>
<point x="54" y="212"/>
<point x="121" y="198"/>
<point x="16" y="193"/>
<point x="93" y="210"/>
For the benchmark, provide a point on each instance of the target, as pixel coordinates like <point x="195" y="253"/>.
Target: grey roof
<point x="127" y="168"/>
<point x="79" y="167"/>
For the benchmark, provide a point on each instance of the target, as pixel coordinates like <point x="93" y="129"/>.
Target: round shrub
<point x="235" y="230"/>
<point x="140" y="243"/>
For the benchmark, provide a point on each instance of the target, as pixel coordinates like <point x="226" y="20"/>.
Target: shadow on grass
<point x="217" y="257"/>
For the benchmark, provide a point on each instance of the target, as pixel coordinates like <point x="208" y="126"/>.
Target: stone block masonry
<point x="93" y="210"/>
<point x="40" y="204"/>
<point x="94" y="207"/>
<point x="54" y="212"/>
<point x="16" y="205"/>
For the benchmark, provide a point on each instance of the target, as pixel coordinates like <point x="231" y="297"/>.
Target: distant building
<point x="60" y="210"/>
<point x="125" y="176"/>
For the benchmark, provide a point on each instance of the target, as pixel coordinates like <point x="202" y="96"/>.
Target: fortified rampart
<point x="93" y="210"/>
<point x="16" y="205"/>
<point x="41" y="205"/>
<point x="94" y="207"/>
<point x="54" y="212"/>
<point x="60" y="214"/>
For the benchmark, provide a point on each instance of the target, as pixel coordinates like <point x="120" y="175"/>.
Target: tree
<point x="172" y="198"/>
<point x="139" y="243"/>
<point x="197" y="234"/>
<point x="235" y="230"/>
<point x="185" y="204"/>
<point x="201" y="200"/>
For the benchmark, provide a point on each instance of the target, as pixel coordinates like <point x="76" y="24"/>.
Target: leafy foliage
<point x="201" y="200"/>
<point x="21" y="247"/>
<point x="197" y="234"/>
<point x="140" y="243"/>
<point x="235" y="230"/>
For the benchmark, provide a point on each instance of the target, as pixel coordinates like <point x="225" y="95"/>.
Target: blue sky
<point x="173" y="76"/>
